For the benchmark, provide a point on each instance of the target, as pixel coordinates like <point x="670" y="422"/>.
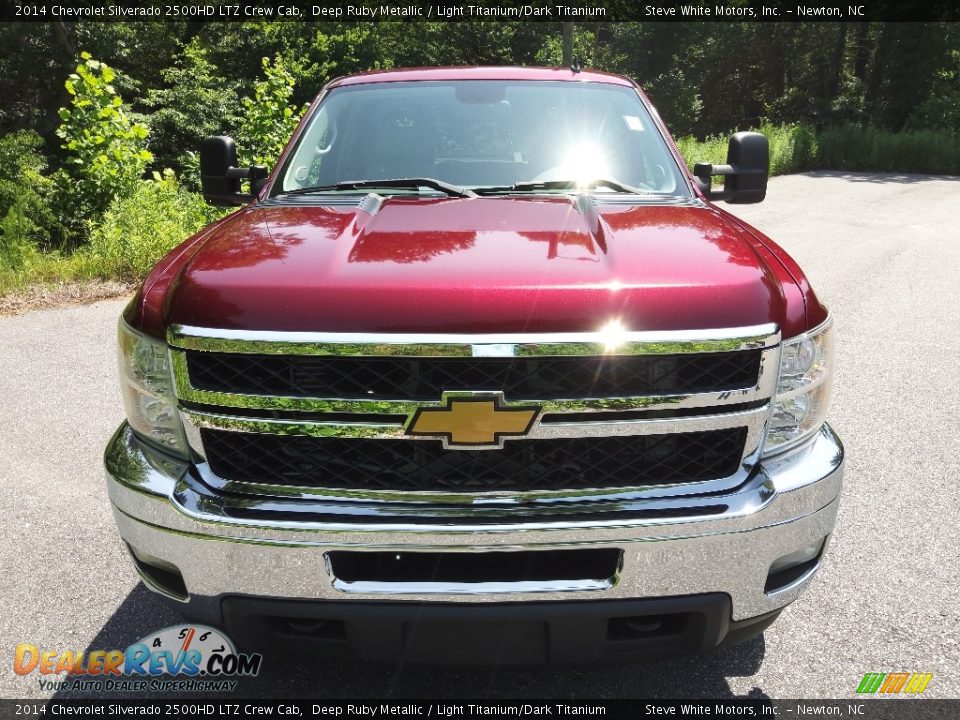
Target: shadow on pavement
<point x="703" y="676"/>
<point x="880" y="178"/>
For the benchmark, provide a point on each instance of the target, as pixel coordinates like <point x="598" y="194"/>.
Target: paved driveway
<point x="882" y="251"/>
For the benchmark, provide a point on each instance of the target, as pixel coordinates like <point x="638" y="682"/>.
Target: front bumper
<point x="228" y="547"/>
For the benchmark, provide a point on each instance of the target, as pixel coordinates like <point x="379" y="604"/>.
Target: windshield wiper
<point x="451" y="190"/>
<point x="614" y="185"/>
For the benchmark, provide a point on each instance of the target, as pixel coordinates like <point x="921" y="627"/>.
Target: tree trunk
<point x="63" y="38"/>
<point x="861" y="51"/>
<point x="834" y="73"/>
<point x="599" y="45"/>
<point x="567" y="44"/>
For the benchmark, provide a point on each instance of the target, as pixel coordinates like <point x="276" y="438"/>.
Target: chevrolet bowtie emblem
<point x="474" y="421"/>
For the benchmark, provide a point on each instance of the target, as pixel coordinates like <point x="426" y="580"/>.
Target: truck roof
<point x="481" y="73"/>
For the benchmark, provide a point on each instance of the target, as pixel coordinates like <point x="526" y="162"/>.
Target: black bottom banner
<point x="863" y="709"/>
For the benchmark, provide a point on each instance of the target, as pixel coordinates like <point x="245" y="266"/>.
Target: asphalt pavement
<point x="883" y="251"/>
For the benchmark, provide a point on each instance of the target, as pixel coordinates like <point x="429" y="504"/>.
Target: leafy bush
<point x="268" y="118"/>
<point x="137" y="230"/>
<point x="805" y="149"/>
<point x="798" y="147"/>
<point x="711" y="149"/>
<point x="106" y="149"/>
<point x="196" y="101"/>
<point x="21" y="168"/>
<point x="26" y="219"/>
<point x="872" y="150"/>
<point x="16" y="227"/>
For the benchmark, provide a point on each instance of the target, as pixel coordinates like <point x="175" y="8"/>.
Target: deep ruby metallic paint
<point x="480" y="73"/>
<point x="494" y="264"/>
<point x="482" y="265"/>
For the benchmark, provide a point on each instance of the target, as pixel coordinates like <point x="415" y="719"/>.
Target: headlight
<point x="147" y="388"/>
<point x="803" y="393"/>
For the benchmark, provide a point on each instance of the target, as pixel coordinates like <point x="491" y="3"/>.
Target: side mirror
<point x="745" y="174"/>
<point x="220" y="177"/>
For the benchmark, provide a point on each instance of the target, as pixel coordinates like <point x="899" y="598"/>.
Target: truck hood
<point x="479" y="265"/>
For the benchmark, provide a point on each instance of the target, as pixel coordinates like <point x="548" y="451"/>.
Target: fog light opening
<point x="159" y="575"/>
<point x="311" y="628"/>
<point x="646" y="627"/>
<point x="790" y="568"/>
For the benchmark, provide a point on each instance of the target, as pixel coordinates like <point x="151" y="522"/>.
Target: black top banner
<point x="477" y="10"/>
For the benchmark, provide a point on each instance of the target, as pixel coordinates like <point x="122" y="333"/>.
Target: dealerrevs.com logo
<point x="178" y="658"/>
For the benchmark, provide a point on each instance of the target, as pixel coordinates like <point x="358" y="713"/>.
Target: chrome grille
<point x="303" y="413"/>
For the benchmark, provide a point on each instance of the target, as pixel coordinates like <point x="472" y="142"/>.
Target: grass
<point x="919" y="151"/>
<point x="134" y="233"/>
<point x="797" y="148"/>
<point x="40" y="268"/>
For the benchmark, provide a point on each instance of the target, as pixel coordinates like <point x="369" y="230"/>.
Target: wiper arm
<point x="451" y="190"/>
<point x="614" y="185"/>
<point x="571" y="184"/>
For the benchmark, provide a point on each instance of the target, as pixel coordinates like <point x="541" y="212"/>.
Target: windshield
<point x="479" y="134"/>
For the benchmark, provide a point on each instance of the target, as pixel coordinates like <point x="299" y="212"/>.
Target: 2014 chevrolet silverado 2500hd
<point x="479" y="373"/>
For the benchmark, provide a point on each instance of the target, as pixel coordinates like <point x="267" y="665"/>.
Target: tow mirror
<point x="746" y="171"/>
<point x="220" y="177"/>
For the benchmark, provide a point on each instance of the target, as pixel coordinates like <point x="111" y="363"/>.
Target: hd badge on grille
<point x="474" y="420"/>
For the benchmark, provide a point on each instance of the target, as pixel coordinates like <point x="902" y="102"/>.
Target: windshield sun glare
<point x="483" y="135"/>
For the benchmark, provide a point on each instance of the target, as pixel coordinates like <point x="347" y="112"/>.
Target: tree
<point x="567" y="44"/>
<point x="268" y="118"/>
<point x="195" y="101"/>
<point x="106" y="149"/>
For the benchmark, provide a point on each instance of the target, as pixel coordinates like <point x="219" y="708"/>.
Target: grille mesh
<point x="405" y="378"/>
<point x="390" y="464"/>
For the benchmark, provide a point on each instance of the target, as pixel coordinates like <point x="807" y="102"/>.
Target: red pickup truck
<point x="479" y="373"/>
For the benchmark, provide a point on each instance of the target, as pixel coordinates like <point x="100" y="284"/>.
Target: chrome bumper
<point x="277" y="548"/>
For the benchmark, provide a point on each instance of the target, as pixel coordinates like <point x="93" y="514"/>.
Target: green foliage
<point x="875" y="150"/>
<point x="25" y="216"/>
<point x="24" y="189"/>
<point x="939" y="111"/>
<point x="268" y="118"/>
<point x="711" y="149"/>
<point x="106" y="149"/>
<point x="339" y="50"/>
<point x="194" y="102"/>
<point x="797" y="147"/>
<point x="804" y="149"/>
<point x="21" y="165"/>
<point x="551" y="51"/>
<point x="866" y="96"/>
<point x="16" y="228"/>
<point x="139" y="229"/>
